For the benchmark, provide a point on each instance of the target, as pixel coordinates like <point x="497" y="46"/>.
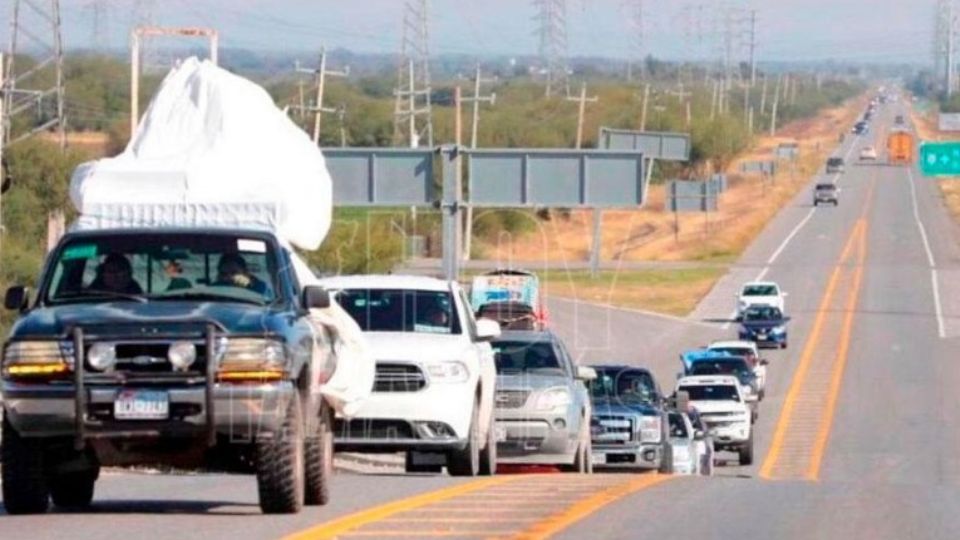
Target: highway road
<point x="857" y="437"/>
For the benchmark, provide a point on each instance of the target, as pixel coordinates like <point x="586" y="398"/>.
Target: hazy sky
<point x="871" y="30"/>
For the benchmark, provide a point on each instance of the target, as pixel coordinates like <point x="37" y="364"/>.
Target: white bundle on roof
<point x="212" y="150"/>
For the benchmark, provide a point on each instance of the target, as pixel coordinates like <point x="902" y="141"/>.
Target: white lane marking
<point x="937" y="305"/>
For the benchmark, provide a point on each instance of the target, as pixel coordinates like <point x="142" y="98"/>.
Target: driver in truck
<point x="232" y="270"/>
<point x="115" y="275"/>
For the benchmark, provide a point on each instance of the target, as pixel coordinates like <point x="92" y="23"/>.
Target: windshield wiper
<point x="97" y="293"/>
<point x="211" y="295"/>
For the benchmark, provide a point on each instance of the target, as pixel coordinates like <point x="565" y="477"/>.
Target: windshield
<point x="716" y="392"/>
<point x="744" y="352"/>
<point x="835" y="161"/>
<point x="762" y="313"/>
<point x="721" y="367"/>
<point x="626" y="385"/>
<point x="526" y="356"/>
<point x="760" y="290"/>
<point x="401" y="310"/>
<point x="163" y="267"/>
<point x="826" y="187"/>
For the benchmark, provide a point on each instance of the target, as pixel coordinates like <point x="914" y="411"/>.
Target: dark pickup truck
<point x="188" y="348"/>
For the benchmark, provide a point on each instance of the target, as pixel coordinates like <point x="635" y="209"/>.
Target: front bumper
<point x="546" y="438"/>
<point x="729" y="435"/>
<point x="764" y="338"/>
<point x="640" y="456"/>
<point x="240" y="412"/>
<point x="434" y="418"/>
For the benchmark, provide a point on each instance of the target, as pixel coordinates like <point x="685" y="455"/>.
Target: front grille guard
<point x="82" y="430"/>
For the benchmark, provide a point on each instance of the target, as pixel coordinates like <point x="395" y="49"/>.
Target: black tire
<point x="466" y="462"/>
<point x="318" y="460"/>
<point x="666" y="460"/>
<point x="73" y="490"/>
<point x="745" y="452"/>
<point x="414" y="468"/>
<point x="583" y="459"/>
<point x="816" y="203"/>
<point x="280" y="465"/>
<point x="25" y="488"/>
<point x="488" y="454"/>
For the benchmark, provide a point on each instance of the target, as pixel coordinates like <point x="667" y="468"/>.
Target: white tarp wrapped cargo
<point x="212" y="150"/>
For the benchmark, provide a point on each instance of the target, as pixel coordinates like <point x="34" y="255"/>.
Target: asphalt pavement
<point x="857" y="436"/>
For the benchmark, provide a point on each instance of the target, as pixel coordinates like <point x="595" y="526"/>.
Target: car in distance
<point x="542" y="404"/>
<point x="721" y="406"/>
<point x="825" y="192"/>
<point x="433" y="393"/>
<point x="764" y="325"/>
<point x="861" y="128"/>
<point x="188" y="346"/>
<point x="707" y="362"/>
<point x="509" y="297"/>
<point x="748" y="351"/>
<point x="629" y="424"/>
<point x="835" y="165"/>
<point x="868" y="153"/>
<point x="760" y="293"/>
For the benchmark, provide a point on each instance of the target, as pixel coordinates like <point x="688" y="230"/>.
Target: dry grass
<point x="673" y="292"/>
<point x="649" y="234"/>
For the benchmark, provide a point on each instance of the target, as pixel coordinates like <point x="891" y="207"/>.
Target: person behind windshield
<point x="115" y="274"/>
<point x="232" y="271"/>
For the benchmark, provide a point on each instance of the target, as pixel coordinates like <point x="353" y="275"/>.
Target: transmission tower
<point x="413" y="111"/>
<point x="636" y="21"/>
<point x="99" y="30"/>
<point x="944" y="46"/>
<point x="33" y="88"/>
<point x="552" y="32"/>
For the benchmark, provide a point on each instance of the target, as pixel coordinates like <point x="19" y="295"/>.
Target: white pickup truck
<point x="722" y="407"/>
<point x="433" y="394"/>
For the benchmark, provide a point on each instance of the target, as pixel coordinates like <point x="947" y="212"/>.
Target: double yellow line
<point x="772" y="465"/>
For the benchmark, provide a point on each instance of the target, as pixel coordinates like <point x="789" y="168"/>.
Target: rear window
<point x="715" y="392"/>
<point x="826" y="187"/>
<point x="525" y="356"/>
<point x="834" y="161"/>
<point x="760" y="290"/>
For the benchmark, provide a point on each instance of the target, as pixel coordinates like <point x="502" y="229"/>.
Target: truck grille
<point x="613" y="430"/>
<point x="396" y="377"/>
<point x="146" y="362"/>
<point x="511" y="399"/>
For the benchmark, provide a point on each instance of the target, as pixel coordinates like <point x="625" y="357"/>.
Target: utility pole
<point x="342" y="117"/>
<point x="635" y="20"/>
<point x="951" y="26"/>
<point x="413" y="91"/>
<point x="753" y="48"/>
<point x="582" y="100"/>
<point x="763" y="97"/>
<point x="552" y="34"/>
<point x="318" y="108"/>
<point x="476" y="100"/>
<point x="98" y="28"/>
<point x="643" y="110"/>
<point x="34" y="94"/>
<point x="773" y="112"/>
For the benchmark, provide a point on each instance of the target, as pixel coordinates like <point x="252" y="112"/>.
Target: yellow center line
<point x="339" y="527"/>
<point x="582" y="509"/>
<point x="776" y="446"/>
<point x="813" y="473"/>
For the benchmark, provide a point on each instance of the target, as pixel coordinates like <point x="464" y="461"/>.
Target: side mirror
<point x="586" y="374"/>
<point x="487" y="329"/>
<point x="764" y="362"/>
<point x="698" y="435"/>
<point x="16" y="298"/>
<point x="315" y="297"/>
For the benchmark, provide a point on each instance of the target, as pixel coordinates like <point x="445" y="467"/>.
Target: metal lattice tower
<point x="636" y="22"/>
<point x="33" y="89"/>
<point x="552" y="32"/>
<point x="944" y="43"/>
<point x="413" y="112"/>
<point x="99" y="30"/>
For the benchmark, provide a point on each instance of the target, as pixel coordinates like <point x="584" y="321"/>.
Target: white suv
<point x="433" y="394"/>
<point x="760" y="293"/>
<point x="723" y="410"/>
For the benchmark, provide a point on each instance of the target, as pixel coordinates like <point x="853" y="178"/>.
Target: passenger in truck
<point x="115" y="275"/>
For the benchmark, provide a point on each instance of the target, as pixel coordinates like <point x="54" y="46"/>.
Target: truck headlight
<point x="449" y="372"/>
<point x="182" y="355"/>
<point x="553" y="398"/>
<point x="650" y="429"/>
<point x="38" y="360"/>
<point x="102" y="356"/>
<point x="250" y="360"/>
<point x="779" y="329"/>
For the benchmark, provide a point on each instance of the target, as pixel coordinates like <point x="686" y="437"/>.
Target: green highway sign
<point x="940" y="158"/>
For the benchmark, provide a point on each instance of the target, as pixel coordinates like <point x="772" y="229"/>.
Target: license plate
<point x="500" y="433"/>
<point x="599" y="459"/>
<point x="141" y="405"/>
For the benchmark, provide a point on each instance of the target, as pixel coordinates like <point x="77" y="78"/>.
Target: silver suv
<point x="542" y="404"/>
<point x="825" y="193"/>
